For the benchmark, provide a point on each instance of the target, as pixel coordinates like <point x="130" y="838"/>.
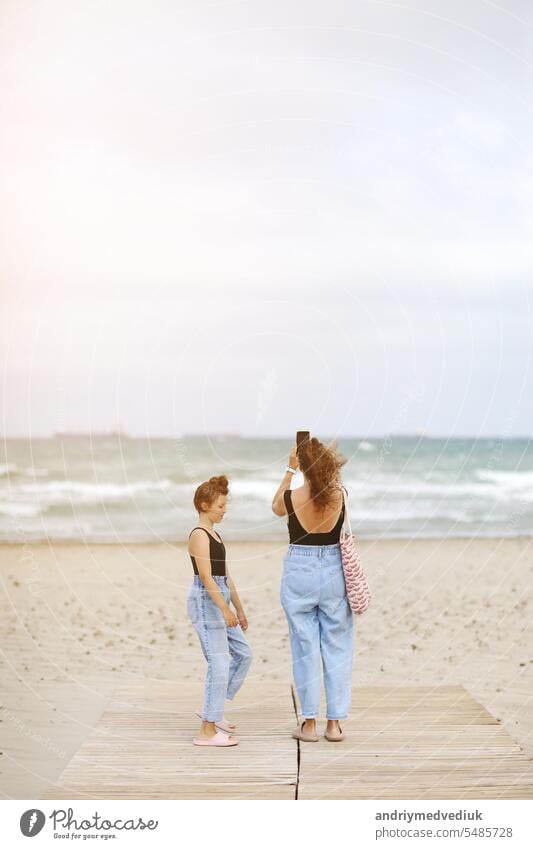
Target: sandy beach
<point x="78" y="620"/>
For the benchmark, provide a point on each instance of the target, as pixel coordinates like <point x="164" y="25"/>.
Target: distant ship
<point x="217" y="436"/>
<point x="90" y="434"/>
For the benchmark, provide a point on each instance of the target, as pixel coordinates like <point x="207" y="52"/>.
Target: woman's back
<point x="309" y="525"/>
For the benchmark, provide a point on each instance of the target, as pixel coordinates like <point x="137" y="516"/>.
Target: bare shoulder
<point x="198" y="542"/>
<point x="299" y="495"/>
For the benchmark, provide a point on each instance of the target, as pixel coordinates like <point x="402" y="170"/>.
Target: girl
<point x="219" y="629"/>
<point x="313" y="592"/>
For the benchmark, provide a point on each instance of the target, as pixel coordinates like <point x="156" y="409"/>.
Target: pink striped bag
<point x="357" y="588"/>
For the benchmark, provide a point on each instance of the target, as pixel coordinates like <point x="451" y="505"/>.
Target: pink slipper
<point x="224" y="724"/>
<point x="220" y="739"/>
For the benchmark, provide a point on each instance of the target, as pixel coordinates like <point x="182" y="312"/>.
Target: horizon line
<point x="234" y="435"/>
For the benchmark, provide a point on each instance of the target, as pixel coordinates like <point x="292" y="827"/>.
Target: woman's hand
<point x="243" y="622"/>
<point x="293" y="458"/>
<point x="229" y="618"/>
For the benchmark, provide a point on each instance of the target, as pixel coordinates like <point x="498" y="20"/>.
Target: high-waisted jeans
<point x="227" y="653"/>
<point x="313" y="596"/>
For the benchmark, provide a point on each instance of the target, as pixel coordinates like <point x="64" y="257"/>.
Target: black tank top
<point x="299" y="536"/>
<point x="217" y="554"/>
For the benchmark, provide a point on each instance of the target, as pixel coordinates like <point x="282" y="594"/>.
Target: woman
<point x="219" y="629"/>
<point x="313" y="592"/>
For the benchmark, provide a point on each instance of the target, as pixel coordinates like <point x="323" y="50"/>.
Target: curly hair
<point x="209" y="490"/>
<point x="321" y="466"/>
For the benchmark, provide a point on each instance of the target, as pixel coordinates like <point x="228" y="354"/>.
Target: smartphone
<point x="301" y="437"/>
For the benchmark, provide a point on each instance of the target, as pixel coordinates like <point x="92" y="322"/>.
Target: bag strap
<point x="346" y="523"/>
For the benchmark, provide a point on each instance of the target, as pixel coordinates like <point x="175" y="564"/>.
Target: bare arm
<point x="236" y="602"/>
<point x="278" y="504"/>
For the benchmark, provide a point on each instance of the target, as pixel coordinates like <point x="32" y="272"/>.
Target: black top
<point x="217" y="553"/>
<point x="299" y="536"/>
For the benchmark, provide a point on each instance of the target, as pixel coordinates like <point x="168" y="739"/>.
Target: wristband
<point x="292" y="471"/>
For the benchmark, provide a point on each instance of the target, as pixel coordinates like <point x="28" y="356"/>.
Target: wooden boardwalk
<point x="142" y="748"/>
<point x="416" y="743"/>
<point x="401" y="743"/>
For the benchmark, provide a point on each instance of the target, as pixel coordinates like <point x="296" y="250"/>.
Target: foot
<point x="333" y="731"/>
<point x="223" y="724"/>
<point x="302" y="733"/>
<point x="207" y="730"/>
<point x="219" y="739"/>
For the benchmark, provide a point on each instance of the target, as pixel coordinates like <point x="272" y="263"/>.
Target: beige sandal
<point x="299" y="734"/>
<point x="334" y="738"/>
<point x="219" y="739"/>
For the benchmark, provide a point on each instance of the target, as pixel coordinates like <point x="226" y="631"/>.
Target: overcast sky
<point x="258" y="216"/>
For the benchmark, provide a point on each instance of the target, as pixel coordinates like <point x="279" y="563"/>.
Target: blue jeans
<point x="313" y="596"/>
<point x="227" y="653"/>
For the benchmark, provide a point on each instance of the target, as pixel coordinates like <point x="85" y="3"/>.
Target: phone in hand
<point x="301" y="437"/>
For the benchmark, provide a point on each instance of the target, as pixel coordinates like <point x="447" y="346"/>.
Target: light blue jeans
<point x="227" y="653"/>
<point x="313" y="596"/>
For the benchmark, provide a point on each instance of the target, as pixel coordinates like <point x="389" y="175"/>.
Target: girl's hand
<point x="293" y="458"/>
<point x="230" y="619"/>
<point x="243" y="622"/>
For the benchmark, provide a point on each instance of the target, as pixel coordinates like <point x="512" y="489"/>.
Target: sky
<point x="262" y="216"/>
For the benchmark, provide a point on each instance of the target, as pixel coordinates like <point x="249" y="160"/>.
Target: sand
<point x="78" y="620"/>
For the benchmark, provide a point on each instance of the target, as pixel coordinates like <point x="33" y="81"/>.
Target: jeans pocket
<point x="298" y="580"/>
<point x="336" y="583"/>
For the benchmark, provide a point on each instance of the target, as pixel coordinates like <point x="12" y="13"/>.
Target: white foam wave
<point x="382" y="486"/>
<point x="508" y="480"/>
<point x="403" y="515"/>
<point x="54" y="491"/>
<point x="254" y="489"/>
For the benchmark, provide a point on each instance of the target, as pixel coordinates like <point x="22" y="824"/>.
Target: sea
<point x="117" y="489"/>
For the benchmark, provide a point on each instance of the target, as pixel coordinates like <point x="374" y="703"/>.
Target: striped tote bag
<point x="357" y="588"/>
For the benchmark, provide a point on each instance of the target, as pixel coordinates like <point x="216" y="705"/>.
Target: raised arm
<point x="278" y="504"/>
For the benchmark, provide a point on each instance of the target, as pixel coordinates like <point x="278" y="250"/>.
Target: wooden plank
<point x="142" y="748"/>
<point x="416" y="743"/>
<point x="176" y="791"/>
<point x="401" y="743"/>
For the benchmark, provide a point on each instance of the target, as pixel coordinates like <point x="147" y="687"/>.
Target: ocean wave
<point x="254" y="489"/>
<point x="508" y="480"/>
<point x="366" y="446"/>
<point x="53" y="491"/>
<point x="417" y="487"/>
<point x="393" y="515"/>
<point x="9" y="469"/>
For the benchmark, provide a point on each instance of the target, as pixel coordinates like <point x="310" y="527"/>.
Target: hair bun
<point x="210" y="489"/>
<point x="218" y="479"/>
